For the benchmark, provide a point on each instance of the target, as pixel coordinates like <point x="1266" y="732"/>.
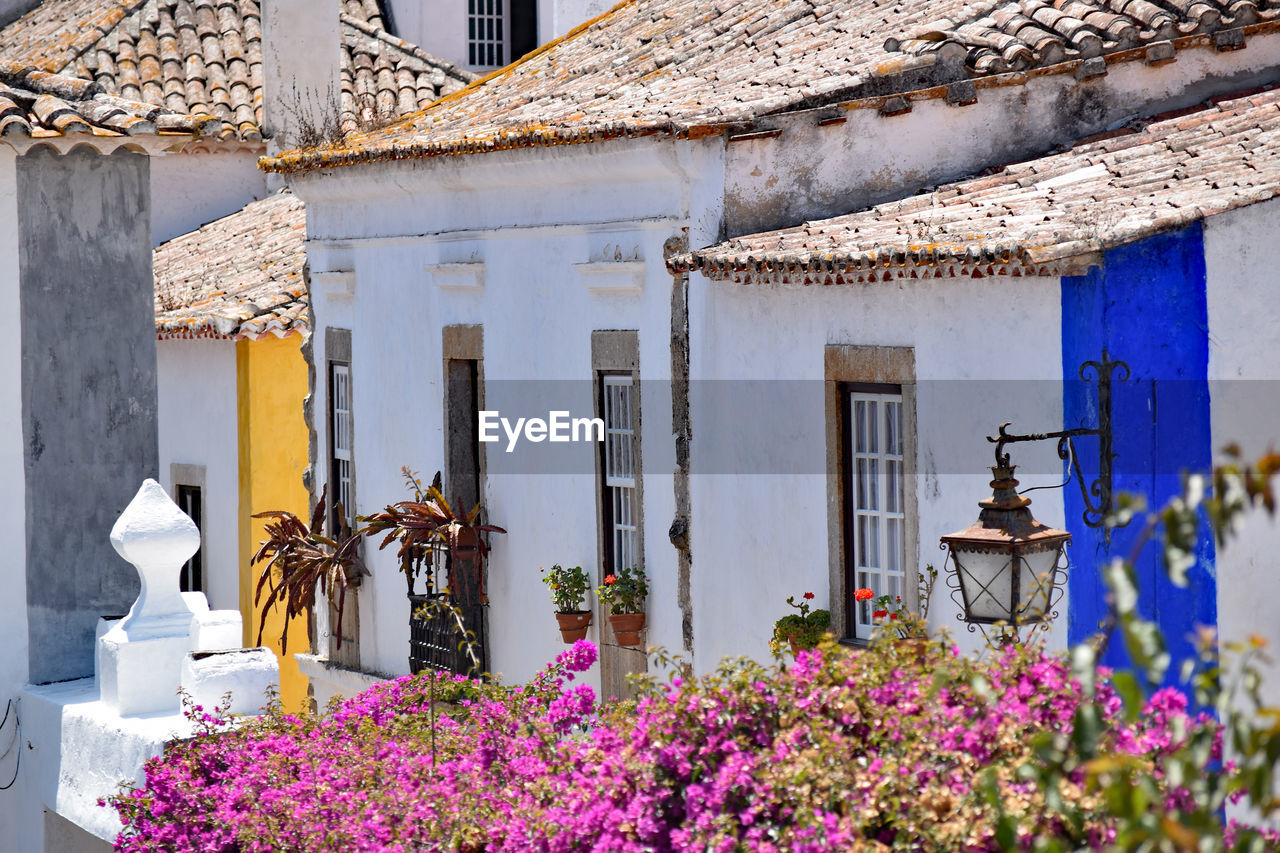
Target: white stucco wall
<point x="1241" y="257"/>
<point x="20" y="822"/>
<point x="528" y="217"/>
<point x="440" y="26"/>
<point x="759" y="538"/>
<point x="196" y="384"/>
<point x="437" y="26"/>
<point x="557" y="17"/>
<point x="188" y="190"/>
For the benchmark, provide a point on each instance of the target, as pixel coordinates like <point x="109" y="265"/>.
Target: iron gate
<point x="435" y="639"/>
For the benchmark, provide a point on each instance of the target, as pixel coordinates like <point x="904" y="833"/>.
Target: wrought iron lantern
<point x="1007" y="569"/>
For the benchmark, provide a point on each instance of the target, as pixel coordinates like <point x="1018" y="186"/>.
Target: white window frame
<point x="620" y="476"/>
<point x="877" y="495"/>
<point x="488" y="33"/>
<point x="341" y="459"/>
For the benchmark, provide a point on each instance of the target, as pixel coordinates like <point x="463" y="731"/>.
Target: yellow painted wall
<point x="271" y="383"/>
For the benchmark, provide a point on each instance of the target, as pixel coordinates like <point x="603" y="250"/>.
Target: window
<point x="340" y="464"/>
<point x="191" y="501"/>
<point x="619" y="469"/>
<point x="876" y="495"/>
<point x="499" y="31"/>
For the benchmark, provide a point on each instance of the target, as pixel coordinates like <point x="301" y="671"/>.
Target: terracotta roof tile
<point x="206" y="56"/>
<point x="1061" y="209"/>
<point x="237" y="277"/>
<point x="668" y="66"/>
<point x="38" y="103"/>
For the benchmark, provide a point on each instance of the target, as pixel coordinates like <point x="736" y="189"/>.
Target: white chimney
<point x="301" y="72"/>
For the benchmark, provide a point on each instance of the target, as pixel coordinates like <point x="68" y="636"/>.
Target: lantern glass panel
<point x="985" y="577"/>
<point x="1037" y="582"/>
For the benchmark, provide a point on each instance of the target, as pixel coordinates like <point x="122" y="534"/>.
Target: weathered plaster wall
<point x="811" y="171"/>
<point x="301" y="62"/>
<point x="1241" y="256"/>
<point x="16" y="829"/>
<point x="1146" y="306"/>
<point x="271" y="380"/>
<point x="88" y="389"/>
<point x="188" y="190"/>
<point x="198" y="426"/>
<point x="759" y="483"/>
<point x="524" y="223"/>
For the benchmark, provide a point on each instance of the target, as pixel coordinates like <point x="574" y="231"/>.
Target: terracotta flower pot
<point x="573" y="626"/>
<point x="627" y="627"/>
<point x="916" y="648"/>
<point x="464" y="542"/>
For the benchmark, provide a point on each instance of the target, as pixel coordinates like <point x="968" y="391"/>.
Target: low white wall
<point x="329" y="681"/>
<point x="81" y="750"/>
<point x="199" y="426"/>
<point x="1241" y="257"/>
<point x="188" y="190"/>
<point x="760" y="537"/>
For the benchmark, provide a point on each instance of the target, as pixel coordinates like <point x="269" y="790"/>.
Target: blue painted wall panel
<point x="1147" y="306"/>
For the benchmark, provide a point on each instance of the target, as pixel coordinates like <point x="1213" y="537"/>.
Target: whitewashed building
<point x="536" y="234"/>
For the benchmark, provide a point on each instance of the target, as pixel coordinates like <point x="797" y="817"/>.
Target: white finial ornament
<point x="157" y="538"/>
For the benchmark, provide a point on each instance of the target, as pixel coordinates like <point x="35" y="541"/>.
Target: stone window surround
<point x="879" y="365"/>
<point x="617" y="352"/>
<point x="462" y="343"/>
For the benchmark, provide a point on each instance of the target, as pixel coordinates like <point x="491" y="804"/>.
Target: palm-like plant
<point x="427" y="520"/>
<point x="299" y="558"/>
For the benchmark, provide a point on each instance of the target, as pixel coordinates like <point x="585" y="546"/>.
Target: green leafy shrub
<point x="568" y="588"/>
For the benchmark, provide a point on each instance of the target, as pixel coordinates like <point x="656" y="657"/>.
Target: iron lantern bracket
<point x="1098" y="496"/>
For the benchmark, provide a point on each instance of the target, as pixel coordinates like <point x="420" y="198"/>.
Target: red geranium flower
<point x="893" y="616"/>
<point x="808" y="595"/>
<point x="608" y="579"/>
<point x="879" y="614"/>
<point x="863" y="594"/>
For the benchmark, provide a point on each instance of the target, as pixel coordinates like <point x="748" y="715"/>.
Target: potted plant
<point x="803" y="630"/>
<point x="624" y="593"/>
<point x="895" y="621"/>
<point x="569" y="593"/>
<point x="428" y="520"/>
